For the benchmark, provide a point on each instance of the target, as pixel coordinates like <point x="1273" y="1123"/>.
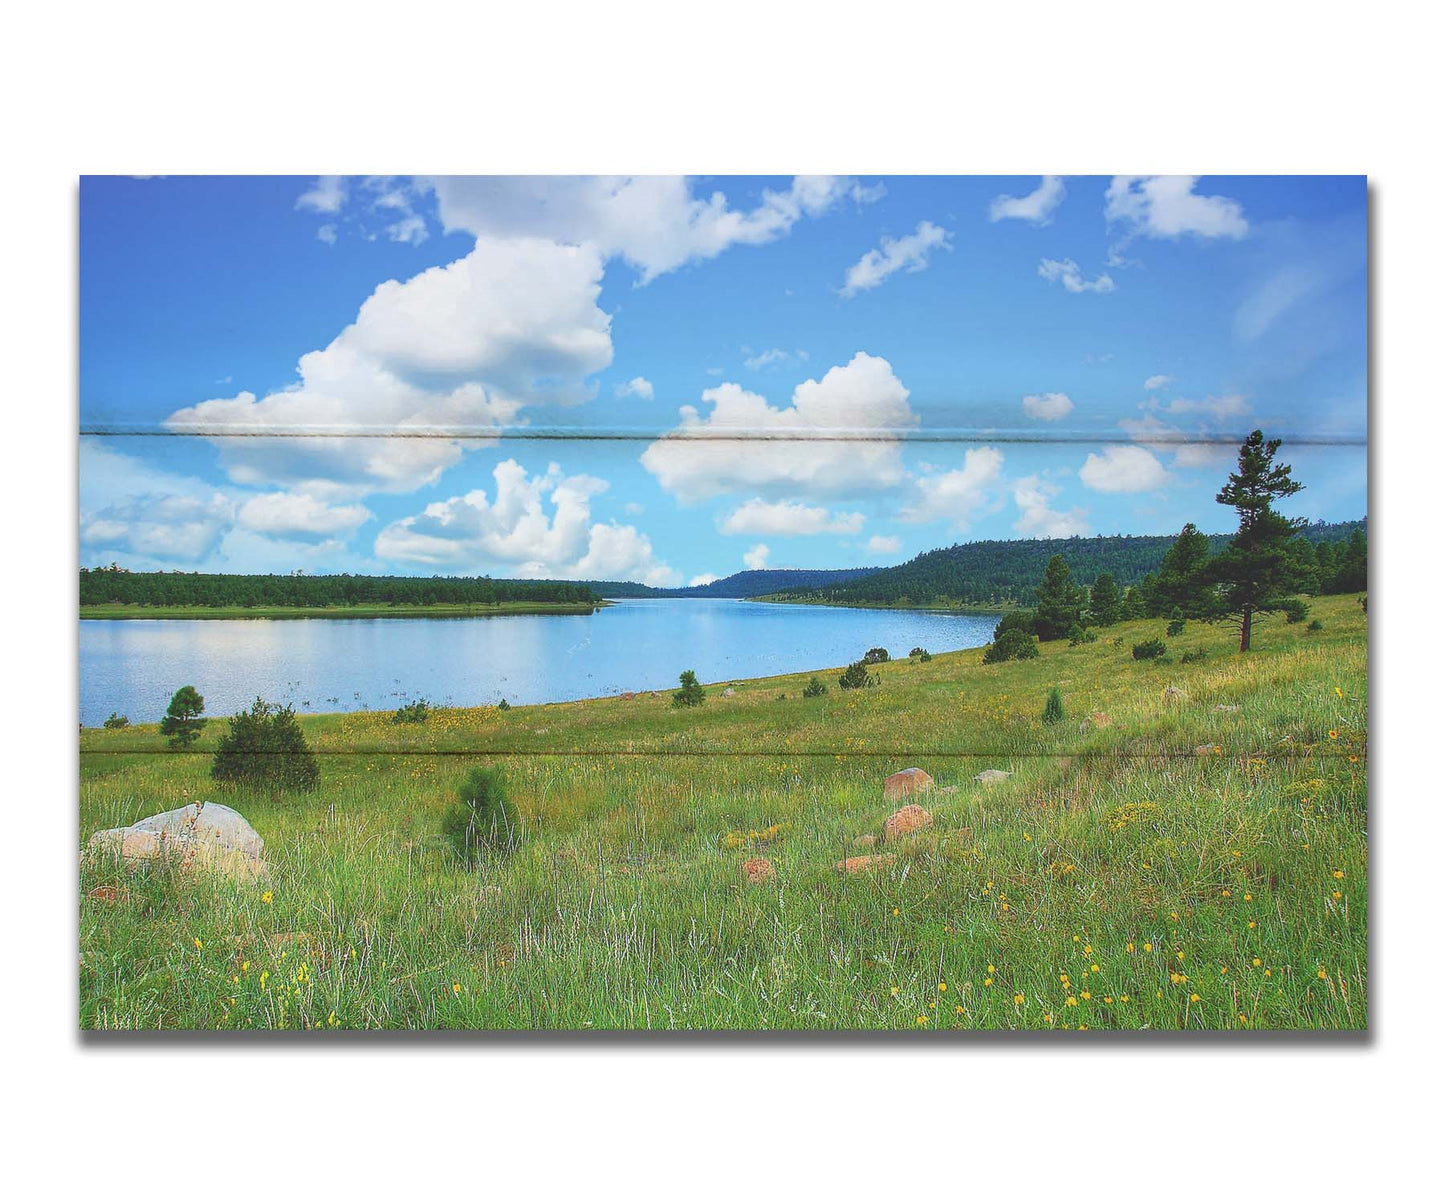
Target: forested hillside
<point x="752" y="583"/>
<point x="112" y="585"/>
<point x="996" y="572"/>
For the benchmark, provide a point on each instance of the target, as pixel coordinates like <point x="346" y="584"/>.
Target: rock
<point x="198" y="836"/>
<point x="911" y="818"/>
<point x="948" y="790"/>
<point x="627" y="696"/>
<point x="1204" y="750"/>
<point x="856" y="865"/>
<point x="989" y="776"/>
<point x="1227" y="707"/>
<point x="905" y="782"/>
<point x="729" y="692"/>
<point x="1099" y="719"/>
<point x="1173" y="694"/>
<point x="866" y="841"/>
<point x="758" y="869"/>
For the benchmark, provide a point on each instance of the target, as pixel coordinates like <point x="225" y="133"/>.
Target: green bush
<point x="482" y="817"/>
<point x="1013" y="645"/>
<point x="856" y="677"/>
<point x="265" y="746"/>
<point x="1054" y="707"/>
<point x="924" y="657"/>
<point x="875" y="656"/>
<point x="504" y="705"/>
<point x="1296" y="610"/>
<point x="1149" y="649"/>
<point x="1190" y="658"/>
<point x="1176" y="623"/>
<point x="1079" y="634"/>
<point x="413" y="712"/>
<point x="183" y="722"/>
<point x="116" y="721"/>
<point x="691" y="694"/>
<point x="1015" y="620"/>
<point x="1315" y="625"/>
<point x="815" y="688"/>
<point x="915" y="652"/>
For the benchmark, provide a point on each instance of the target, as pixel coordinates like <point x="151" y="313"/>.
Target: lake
<point x="133" y="666"/>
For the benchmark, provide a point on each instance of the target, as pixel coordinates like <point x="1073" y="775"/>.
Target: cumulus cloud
<point x="1227" y="405"/>
<point x="1067" y="273"/>
<point x="884" y="545"/>
<point x="654" y="223"/>
<point x="1158" y="381"/>
<point x="793" y="450"/>
<point x="1048" y="407"/>
<point x="703" y="579"/>
<point x="756" y="557"/>
<point x="1036" y="207"/>
<point x="327" y="195"/>
<point x="459" y="348"/>
<point x="907" y="254"/>
<point x="513" y="527"/>
<point x="759" y="517"/>
<point x="162" y="526"/>
<point x="1037" y="519"/>
<point x="638" y="386"/>
<point x="1122" y="469"/>
<point x="1168" y="207"/>
<point x="1198" y="450"/>
<point x="299" y="517"/>
<point x="957" y="495"/>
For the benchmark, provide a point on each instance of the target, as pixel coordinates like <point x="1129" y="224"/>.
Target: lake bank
<point x="361" y="611"/>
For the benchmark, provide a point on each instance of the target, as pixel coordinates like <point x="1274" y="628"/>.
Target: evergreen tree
<point x="691" y="694"/>
<point x="1061" y="601"/>
<point x="1105" y="601"/>
<point x="1258" y="567"/>
<point x="1182" y="577"/>
<point x="183" y="722"/>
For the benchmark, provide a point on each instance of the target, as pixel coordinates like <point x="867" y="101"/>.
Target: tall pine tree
<point x="1105" y="600"/>
<point x="1182" y="580"/>
<point x="1259" y="567"/>
<point x="1061" y="601"/>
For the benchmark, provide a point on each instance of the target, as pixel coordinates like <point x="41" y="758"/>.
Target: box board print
<point x="882" y="603"/>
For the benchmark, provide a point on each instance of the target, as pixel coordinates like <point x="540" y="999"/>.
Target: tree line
<point x="112" y="585"/>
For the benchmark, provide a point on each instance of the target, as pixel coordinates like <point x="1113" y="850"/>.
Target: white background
<point x="756" y="87"/>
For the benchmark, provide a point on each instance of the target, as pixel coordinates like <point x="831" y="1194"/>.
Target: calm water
<point x="133" y="666"/>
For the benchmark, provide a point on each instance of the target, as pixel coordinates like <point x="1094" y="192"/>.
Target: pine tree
<point x="1258" y="567"/>
<point x="1061" y="601"/>
<point x="183" y="722"/>
<point x="1181" y="580"/>
<point x="1105" y="601"/>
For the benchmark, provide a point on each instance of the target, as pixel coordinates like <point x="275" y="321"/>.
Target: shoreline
<point x="363" y="611"/>
<point x="970" y="608"/>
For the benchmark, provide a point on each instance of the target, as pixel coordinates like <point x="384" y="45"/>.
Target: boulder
<point x="911" y="818"/>
<point x="197" y="836"/>
<point x="758" y="869"/>
<point x="1173" y="694"/>
<point x="729" y="692"/>
<point x="989" y="776"/>
<point x="1227" y="707"/>
<point x="856" y="865"/>
<point x="1204" y="750"/>
<point x="905" y="782"/>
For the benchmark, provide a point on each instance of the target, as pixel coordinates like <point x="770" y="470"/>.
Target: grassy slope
<point x="399" y="611"/>
<point x="1120" y="849"/>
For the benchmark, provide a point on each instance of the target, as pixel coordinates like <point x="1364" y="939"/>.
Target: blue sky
<point x="1020" y="357"/>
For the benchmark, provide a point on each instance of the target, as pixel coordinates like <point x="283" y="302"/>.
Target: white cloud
<point x="1158" y="381"/>
<point x="957" y="495"/>
<point x="1227" y="405"/>
<point x="299" y="517"/>
<point x="327" y="234"/>
<point x="327" y="195"/>
<point x="773" y="357"/>
<point x="794" y="450"/>
<point x="1189" y="451"/>
<point x="906" y="254"/>
<point x="756" y="557"/>
<point x="513" y="527"/>
<point x="655" y="223"/>
<point x="162" y="526"/>
<point x="1067" y="273"/>
<point x="1168" y="207"/>
<point x="1048" y="407"/>
<point x="410" y="229"/>
<point x="460" y="347"/>
<point x="884" y="545"/>
<point x="638" y="386"/>
<point x="1122" y="469"/>
<point x="703" y="579"/>
<point x="1035" y="207"/>
<point x="758" y="517"/>
<point x="1037" y="520"/>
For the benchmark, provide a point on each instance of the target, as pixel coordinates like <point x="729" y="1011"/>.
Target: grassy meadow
<point x="1195" y="864"/>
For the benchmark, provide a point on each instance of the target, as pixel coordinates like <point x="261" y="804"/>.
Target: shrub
<point x="504" y="705"/>
<point x="1014" y="620"/>
<point x="924" y="657"/>
<point x="1148" y="650"/>
<point x="856" y="677"/>
<point x="1176" y="623"/>
<point x="1315" y="625"/>
<point x="1079" y="634"/>
<point x="482" y="817"/>
<point x="815" y="688"/>
<point x="875" y="656"/>
<point x="1296" y="610"/>
<point x="916" y="652"/>
<point x="1054" y="707"/>
<point x="116" y="721"/>
<point x="183" y="722"/>
<point x="1190" y="658"/>
<point x="265" y="746"/>
<point x="1013" y="645"/>
<point x="412" y="712"/>
<point x="691" y="694"/>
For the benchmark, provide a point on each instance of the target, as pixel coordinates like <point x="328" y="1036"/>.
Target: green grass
<point x="363" y="611"/>
<point x="1119" y="848"/>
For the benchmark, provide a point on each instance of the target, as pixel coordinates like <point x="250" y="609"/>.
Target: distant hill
<point x="995" y="572"/>
<point x="748" y="584"/>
